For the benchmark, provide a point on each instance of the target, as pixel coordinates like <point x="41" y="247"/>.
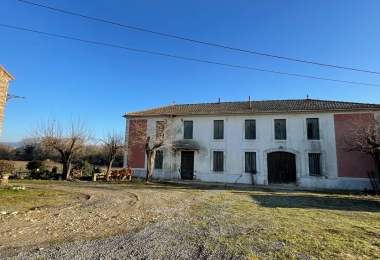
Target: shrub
<point x="36" y="168"/>
<point x="86" y="167"/>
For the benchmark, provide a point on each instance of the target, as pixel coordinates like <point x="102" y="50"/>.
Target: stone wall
<point x="5" y="78"/>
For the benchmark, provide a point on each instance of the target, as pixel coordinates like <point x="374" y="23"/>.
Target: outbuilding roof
<point x="255" y="107"/>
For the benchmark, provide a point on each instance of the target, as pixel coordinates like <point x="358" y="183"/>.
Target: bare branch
<point x="67" y="140"/>
<point x="152" y="136"/>
<point x="112" y="142"/>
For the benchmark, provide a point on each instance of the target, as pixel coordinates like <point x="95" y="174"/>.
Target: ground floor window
<point x="250" y="162"/>
<point x="315" y="164"/>
<point x="218" y="163"/>
<point x="158" y="161"/>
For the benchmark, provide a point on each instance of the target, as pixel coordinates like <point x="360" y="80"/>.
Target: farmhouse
<point x="294" y="142"/>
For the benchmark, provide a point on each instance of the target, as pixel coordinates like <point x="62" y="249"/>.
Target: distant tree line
<point x="31" y="149"/>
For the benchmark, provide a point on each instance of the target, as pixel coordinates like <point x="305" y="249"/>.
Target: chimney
<point x="249" y="99"/>
<point x="218" y="100"/>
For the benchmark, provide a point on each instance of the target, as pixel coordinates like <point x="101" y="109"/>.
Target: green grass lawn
<point x="12" y="200"/>
<point x="293" y="225"/>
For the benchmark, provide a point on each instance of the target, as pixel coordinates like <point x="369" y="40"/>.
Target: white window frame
<point x="257" y="160"/>
<point x="322" y="162"/>
<point x="287" y="123"/>
<point x="212" y="160"/>
<point x="304" y="121"/>
<point x="224" y="129"/>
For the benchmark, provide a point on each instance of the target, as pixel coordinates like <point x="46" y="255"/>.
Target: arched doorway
<point x="281" y="167"/>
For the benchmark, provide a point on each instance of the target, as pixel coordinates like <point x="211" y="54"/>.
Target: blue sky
<point x="62" y="78"/>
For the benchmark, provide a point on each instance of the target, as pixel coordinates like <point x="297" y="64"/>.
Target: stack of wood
<point x="122" y="173"/>
<point x="76" y="173"/>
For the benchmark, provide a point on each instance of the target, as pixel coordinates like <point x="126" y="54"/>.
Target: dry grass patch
<point x="20" y="166"/>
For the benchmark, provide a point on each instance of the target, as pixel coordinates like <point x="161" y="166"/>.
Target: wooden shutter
<point x="280" y="129"/>
<point x="218" y="161"/>
<point x="188" y="130"/>
<point x="315" y="163"/>
<point x="250" y="162"/>
<point x="218" y="129"/>
<point x="250" y="129"/>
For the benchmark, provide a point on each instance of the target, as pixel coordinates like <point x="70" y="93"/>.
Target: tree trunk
<point x="150" y="164"/>
<point x="66" y="169"/>
<point x="4" y="180"/>
<point x="108" y="169"/>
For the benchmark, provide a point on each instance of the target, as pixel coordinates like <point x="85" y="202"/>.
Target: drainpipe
<point x="126" y="142"/>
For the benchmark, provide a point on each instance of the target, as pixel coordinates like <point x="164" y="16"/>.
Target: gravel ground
<point x="137" y="223"/>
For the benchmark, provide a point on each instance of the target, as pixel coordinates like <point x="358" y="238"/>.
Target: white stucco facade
<point x="234" y="146"/>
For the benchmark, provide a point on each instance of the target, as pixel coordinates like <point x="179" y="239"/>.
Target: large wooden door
<point x="281" y="167"/>
<point x="187" y="165"/>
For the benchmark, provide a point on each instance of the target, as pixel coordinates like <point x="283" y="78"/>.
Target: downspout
<point x="253" y="179"/>
<point x="171" y="153"/>
<point x="125" y="162"/>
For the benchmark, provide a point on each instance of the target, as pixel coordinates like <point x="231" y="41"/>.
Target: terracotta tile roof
<point x="6" y="72"/>
<point x="257" y="107"/>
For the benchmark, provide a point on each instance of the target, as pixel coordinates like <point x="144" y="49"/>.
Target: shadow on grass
<point x="294" y="200"/>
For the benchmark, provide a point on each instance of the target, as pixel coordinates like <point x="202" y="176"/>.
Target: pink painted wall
<point x="136" y="159"/>
<point x="350" y="164"/>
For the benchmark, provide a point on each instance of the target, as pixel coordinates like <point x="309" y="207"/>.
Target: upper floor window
<point x="160" y="129"/>
<point x="280" y="129"/>
<point x="218" y="161"/>
<point x="250" y="129"/>
<point x="218" y="129"/>
<point x="188" y="130"/>
<point x="158" y="160"/>
<point x="315" y="163"/>
<point x="312" y="125"/>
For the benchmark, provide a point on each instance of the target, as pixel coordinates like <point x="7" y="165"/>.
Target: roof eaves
<point x="6" y="72"/>
<point x="254" y="112"/>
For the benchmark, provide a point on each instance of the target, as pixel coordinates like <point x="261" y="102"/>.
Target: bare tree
<point x="362" y="135"/>
<point x="66" y="140"/>
<point x="6" y="152"/>
<point x="32" y="149"/>
<point x="113" y="143"/>
<point x="153" y="136"/>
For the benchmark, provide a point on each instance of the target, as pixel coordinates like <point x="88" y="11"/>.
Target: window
<point x="158" y="160"/>
<point x="315" y="164"/>
<point x="250" y="162"/>
<point x="218" y="161"/>
<point x="218" y="129"/>
<point x="250" y="129"/>
<point x="280" y="129"/>
<point x="160" y="127"/>
<point x="188" y="130"/>
<point x="312" y="125"/>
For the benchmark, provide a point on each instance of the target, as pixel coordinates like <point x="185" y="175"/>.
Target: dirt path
<point x="108" y="210"/>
